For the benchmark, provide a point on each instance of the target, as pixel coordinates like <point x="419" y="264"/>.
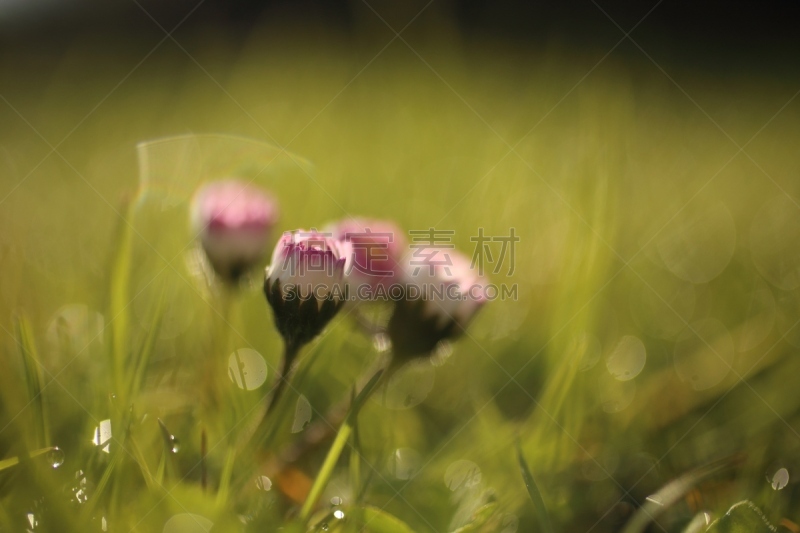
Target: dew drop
<point x="628" y="358"/>
<point x="409" y="386"/>
<point x="780" y="479"/>
<point x="188" y="523"/>
<point x="339" y="514"/>
<point x="82" y="488"/>
<point x="263" y="483"/>
<point x="324" y="527"/>
<point x="404" y="463"/>
<point x="510" y="523"/>
<point x="55" y="457"/>
<point x="73" y="330"/>
<point x="585" y="348"/>
<point x="441" y="353"/>
<point x="336" y="501"/>
<point x="462" y="474"/>
<point x="656" y="499"/>
<point x="247" y="369"/>
<point x="101" y="436"/>
<point x="302" y="414"/>
<point x="381" y="342"/>
<point x="170" y="441"/>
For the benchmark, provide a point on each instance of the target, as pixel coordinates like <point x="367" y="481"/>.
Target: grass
<point x="639" y="217"/>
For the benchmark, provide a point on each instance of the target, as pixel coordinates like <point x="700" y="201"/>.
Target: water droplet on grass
<point x="462" y="474"/>
<point x="55" y="457"/>
<point x="381" y="342"/>
<point x="247" y="369"/>
<point x="780" y="479"/>
<point x="585" y="348"/>
<point x="73" y="330"/>
<point x="302" y="414"/>
<point x="170" y="441"/>
<point x="628" y="358"/>
<point x="188" y="523"/>
<point x="409" y="386"/>
<point x="404" y="463"/>
<point x="510" y="524"/>
<point x="263" y="483"/>
<point x="101" y="436"/>
<point x="82" y="488"/>
<point x="441" y="353"/>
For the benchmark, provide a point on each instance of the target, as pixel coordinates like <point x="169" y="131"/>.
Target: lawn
<point x="644" y="366"/>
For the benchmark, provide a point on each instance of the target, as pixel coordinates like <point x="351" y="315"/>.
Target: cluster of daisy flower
<point x="313" y="274"/>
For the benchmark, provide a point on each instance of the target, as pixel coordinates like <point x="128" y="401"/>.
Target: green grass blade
<point x="13" y="461"/>
<point x="146" y="351"/>
<point x="355" y="454"/>
<point x="698" y="523"/>
<point x="102" y="484"/>
<point x="670" y="493"/>
<point x="168" y="440"/>
<point x="225" y="476"/>
<point x="380" y="521"/>
<point x="34" y="380"/>
<point x="744" y="517"/>
<point x="536" y="496"/>
<point x="338" y="445"/>
<point x="119" y="298"/>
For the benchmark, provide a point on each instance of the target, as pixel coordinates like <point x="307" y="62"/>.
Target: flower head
<point x="378" y="249"/>
<point x="305" y="283"/>
<point x="443" y="294"/>
<point x="233" y="220"/>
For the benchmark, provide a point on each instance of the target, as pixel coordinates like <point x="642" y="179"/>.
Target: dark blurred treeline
<point x="745" y="29"/>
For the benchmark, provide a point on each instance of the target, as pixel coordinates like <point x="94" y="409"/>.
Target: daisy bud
<point x="305" y="283"/>
<point x="233" y="221"/>
<point x="443" y="294"/>
<point x="378" y="250"/>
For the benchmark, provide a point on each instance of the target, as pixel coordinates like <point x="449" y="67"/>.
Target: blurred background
<point x="645" y="153"/>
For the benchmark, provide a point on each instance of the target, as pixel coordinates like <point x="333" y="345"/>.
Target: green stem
<point x="335" y="452"/>
<point x="225" y="476"/>
<point x="326" y="471"/>
<point x="290" y="351"/>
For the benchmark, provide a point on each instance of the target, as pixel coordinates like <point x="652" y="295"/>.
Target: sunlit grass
<point x="641" y="225"/>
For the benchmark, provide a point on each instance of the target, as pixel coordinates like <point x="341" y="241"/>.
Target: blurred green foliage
<point x="658" y="278"/>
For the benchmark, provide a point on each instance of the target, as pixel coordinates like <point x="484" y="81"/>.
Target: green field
<point x="654" y="336"/>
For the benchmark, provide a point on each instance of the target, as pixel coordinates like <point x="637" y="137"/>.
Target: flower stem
<point x="327" y="469"/>
<point x="290" y="351"/>
<point x="339" y="442"/>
